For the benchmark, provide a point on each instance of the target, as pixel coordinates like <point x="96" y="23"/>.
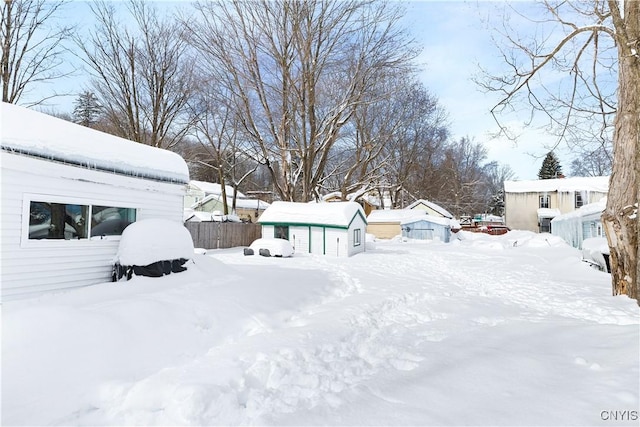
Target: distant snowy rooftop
<point x="406" y="216"/>
<point x="329" y="213"/>
<point x="241" y="203"/>
<point x="36" y="134"/>
<point x="593" y="183"/>
<point x="395" y="215"/>
<point x="437" y="208"/>
<point x="214" y="188"/>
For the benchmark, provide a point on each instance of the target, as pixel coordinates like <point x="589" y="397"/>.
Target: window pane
<point x="57" y="221"/>
<point x="544" y="201"/>
<point x="281" y="232"/>
<point x="110" y="221"/>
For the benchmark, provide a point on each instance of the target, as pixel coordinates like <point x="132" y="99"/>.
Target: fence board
<point x="220" y="235"/>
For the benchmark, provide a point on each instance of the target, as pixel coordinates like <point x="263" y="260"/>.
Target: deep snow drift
<point x="489" y="330"/>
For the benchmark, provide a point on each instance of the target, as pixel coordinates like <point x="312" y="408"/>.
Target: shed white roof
<point x="590" y="183"/>
<point x="36" y="134"/>
<point x="329" y="213"/>
<point x="586" y="210"/>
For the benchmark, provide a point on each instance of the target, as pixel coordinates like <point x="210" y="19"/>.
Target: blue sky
<point x="455" y="39"/>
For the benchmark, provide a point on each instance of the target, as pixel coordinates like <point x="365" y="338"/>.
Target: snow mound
<point x="151" y="240"/>
<point x="276" y="247"/>
<point x="511" y="239"/>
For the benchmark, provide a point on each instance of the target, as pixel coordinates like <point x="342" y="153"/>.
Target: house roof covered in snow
<point x="590" y="183"/>
<point x="336" y="214"/>
<point x="437" y="208"/>
<point x="31" y="133"/>
<point x="213" y="188"/>
<point x="395" y="215"/>
<point x="241" y="203"/>
<point x="405" y="216"/>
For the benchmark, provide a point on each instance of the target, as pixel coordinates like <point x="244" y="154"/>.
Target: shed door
<point x="317" y="240"/>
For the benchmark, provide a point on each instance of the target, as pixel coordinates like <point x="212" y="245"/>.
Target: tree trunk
<point x="620" y="224"/>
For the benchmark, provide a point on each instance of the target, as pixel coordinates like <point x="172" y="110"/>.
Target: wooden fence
<point x="219" y="235"/>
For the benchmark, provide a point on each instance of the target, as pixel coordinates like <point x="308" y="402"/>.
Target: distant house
<point x="68" y="192"/>
<point x="198" y="190"/>
<point x="248" y="210"/>
<point x="531" y="205"/>
<point x="208" y="199"/>
<point x="583" y="223"/>
<point x="336" y="229"/>
<point x="361" y="199"/>
<point x="430" y="208"/>
<point x="412" y="224"/>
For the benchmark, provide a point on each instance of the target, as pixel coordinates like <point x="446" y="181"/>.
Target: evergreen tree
<point x="496" y="204"/>
<point x="550" y="167"/>
<point x="87" y="109"/>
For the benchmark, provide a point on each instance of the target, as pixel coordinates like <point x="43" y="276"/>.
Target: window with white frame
<point x="544" y="201"/>
<point x="357" y="237"/>
<point x="579" y="200"/>
<point x="56" y="220"/>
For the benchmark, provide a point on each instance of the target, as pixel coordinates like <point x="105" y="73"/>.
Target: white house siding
<point x="336" y="241"/>
<point x="39" y="265"/>
<point x="299" y="238"/>
<point x="268" y="231"/>
<point x="317" y="240"/>
<point x="358" y="223"/>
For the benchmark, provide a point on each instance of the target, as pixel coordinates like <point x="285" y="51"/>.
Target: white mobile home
<point x="68" y="192"/>
<point x="336" y="228"/>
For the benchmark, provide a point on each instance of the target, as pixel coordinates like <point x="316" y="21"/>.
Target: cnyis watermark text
<point x="617" y="415"/>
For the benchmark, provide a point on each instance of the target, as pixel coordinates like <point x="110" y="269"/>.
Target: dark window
<point x="544" y="201"/>
<point x="357" y="236"/>
<point x="73" y="221"/>
<point x="545" y="225"/>
<point x="579" y="201"/>
<point x="110" y="221"/>
<point x="57" y="221"/>
<point x="281" y="232"/>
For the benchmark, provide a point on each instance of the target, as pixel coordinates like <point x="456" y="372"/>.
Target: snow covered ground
<point x="489" y="330"/>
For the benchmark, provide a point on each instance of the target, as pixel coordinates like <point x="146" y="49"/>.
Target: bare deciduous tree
<point x="142" y="76"/>
<point x="298" y="70"/>
<point x="591" y="40"/>
<point x="416" y="145"/>
<point x="217" y="128"/>
<point x="32" y="47"/>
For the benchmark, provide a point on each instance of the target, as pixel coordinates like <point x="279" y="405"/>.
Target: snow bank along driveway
<point x="490" y="330"/>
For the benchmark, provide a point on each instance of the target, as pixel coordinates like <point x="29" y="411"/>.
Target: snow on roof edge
<point x="578" y="183"/>
<point x="337" y="214"/>
<point x="34" y="134"/>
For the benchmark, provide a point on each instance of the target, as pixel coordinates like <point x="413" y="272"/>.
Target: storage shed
<point x="68" y="192"/>
<point x="584" y="223"/>
<point x="428" y="227"/>
<point x="336" y="228"/>
<point x="413" y="224"/>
